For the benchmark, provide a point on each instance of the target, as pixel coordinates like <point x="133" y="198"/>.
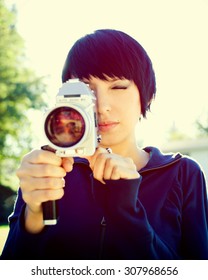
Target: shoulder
<point x="190" y="177"/>
<point x="190" y="163"/>
<point x="191" y="171"/>
<point x="158" y="157"/>
<point x="184" y="165"/>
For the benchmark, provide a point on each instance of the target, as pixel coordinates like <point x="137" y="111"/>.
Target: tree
<point x="202" y="125"/>
<point x="174" y="134"/>
<point x="7" y="198"/>
<point x="20" y="90"/>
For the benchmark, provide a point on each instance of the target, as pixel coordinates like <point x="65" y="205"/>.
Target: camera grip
<point x="50" y="211"/>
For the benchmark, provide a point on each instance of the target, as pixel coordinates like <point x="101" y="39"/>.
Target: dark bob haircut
<point x="112" y="53"/>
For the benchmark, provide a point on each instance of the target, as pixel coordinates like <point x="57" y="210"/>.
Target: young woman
<point x="131" y="203"/>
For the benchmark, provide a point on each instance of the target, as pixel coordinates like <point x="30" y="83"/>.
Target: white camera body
<point x="70" y="128"/>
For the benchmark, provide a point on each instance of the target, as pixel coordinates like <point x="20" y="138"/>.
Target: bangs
<point x="108" y="53"/>
<point x="96" y="56"/>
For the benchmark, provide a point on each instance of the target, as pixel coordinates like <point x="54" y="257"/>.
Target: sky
<point x="173" y="32"/>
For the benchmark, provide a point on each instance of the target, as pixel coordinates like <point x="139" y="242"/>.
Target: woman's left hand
<point x="109" y="166"/>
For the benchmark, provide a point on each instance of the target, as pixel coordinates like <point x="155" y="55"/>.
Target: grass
<point x="3" y="235"/>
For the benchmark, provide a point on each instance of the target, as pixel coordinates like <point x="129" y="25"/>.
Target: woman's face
<point x="118" y="109"/>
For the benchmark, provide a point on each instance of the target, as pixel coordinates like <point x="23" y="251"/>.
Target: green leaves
<point x="20" y="90"/>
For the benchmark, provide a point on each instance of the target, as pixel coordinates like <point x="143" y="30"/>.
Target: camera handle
<point x="50" y="214"/>
<point x="50" y="209"/>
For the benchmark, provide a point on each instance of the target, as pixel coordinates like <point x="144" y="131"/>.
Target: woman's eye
<point x="119" y="87"/>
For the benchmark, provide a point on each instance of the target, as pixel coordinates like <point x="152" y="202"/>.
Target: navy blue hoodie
<point x="161" y="215"/>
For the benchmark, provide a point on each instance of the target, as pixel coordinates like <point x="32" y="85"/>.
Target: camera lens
<point x="64" y="127"/>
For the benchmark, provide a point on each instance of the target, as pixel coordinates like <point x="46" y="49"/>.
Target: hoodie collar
<point x="158" y="159"/>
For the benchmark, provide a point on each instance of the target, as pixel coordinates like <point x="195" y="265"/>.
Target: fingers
<point x="108" y="166"/>
<point x="35" y="198"/>
<point x="41" y="156"/>
<point x="41" y="176"/>
<point x="67" y="164"/>
<point x="44" y="164"/>
<point x="97" y="164"/>
<point x="98" y="167"/>
<point x="47" y="183"/>
<point x="111" y="170"/>
<point x="40" y="170"/>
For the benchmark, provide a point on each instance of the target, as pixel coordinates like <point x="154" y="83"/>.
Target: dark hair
<point x="115" y="54"/>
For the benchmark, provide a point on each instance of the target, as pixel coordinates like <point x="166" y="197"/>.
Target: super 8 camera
<point x="70" y="127"/>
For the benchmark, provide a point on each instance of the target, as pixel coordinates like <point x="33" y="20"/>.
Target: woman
<point x="132" y="203"/>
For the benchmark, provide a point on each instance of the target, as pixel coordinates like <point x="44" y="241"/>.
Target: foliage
<point x="174" y="134"/>
<point x="7" y="198"/>
<point x="20" y="90"/>
<point x="202" y="126"/>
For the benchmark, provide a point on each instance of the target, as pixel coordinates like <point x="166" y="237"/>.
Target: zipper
<point x="102" y="237"/>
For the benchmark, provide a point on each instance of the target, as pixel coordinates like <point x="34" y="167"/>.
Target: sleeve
<point x="129" y="234"/>
<point x="20" y="244"/>
<point x="195" y="211"/>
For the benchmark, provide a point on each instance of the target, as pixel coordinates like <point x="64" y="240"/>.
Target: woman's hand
<point x="109" y="166"/>
<point x="41" y="176"/>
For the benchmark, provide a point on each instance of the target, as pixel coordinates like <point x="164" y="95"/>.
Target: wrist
<point x="33" y="219"/>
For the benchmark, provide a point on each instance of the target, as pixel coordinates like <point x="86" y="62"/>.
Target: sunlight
<point x="173" y="33"/>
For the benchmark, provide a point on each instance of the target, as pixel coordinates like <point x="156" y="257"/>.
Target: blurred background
<point x="35" y="37"/>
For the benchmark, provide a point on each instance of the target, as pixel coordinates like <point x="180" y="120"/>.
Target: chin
<point x="107" y="142"/>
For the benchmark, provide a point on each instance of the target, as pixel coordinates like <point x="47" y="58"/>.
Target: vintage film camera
<point x="71" y="127"/>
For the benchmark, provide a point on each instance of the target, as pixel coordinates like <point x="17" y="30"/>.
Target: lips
<point x="107" y="126"/>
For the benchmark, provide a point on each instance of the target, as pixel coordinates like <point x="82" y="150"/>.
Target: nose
<point x="102" y="100"/>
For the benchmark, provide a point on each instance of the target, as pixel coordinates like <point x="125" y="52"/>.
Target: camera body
<point x="70" y="128"/>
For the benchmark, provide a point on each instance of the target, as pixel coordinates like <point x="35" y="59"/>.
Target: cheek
<point x="131" y="113"/>
<point x="133" y="106"/>
<point x="129" y="106"/>
<point x="138" y="108"/>
<point x="134" y="112"/>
